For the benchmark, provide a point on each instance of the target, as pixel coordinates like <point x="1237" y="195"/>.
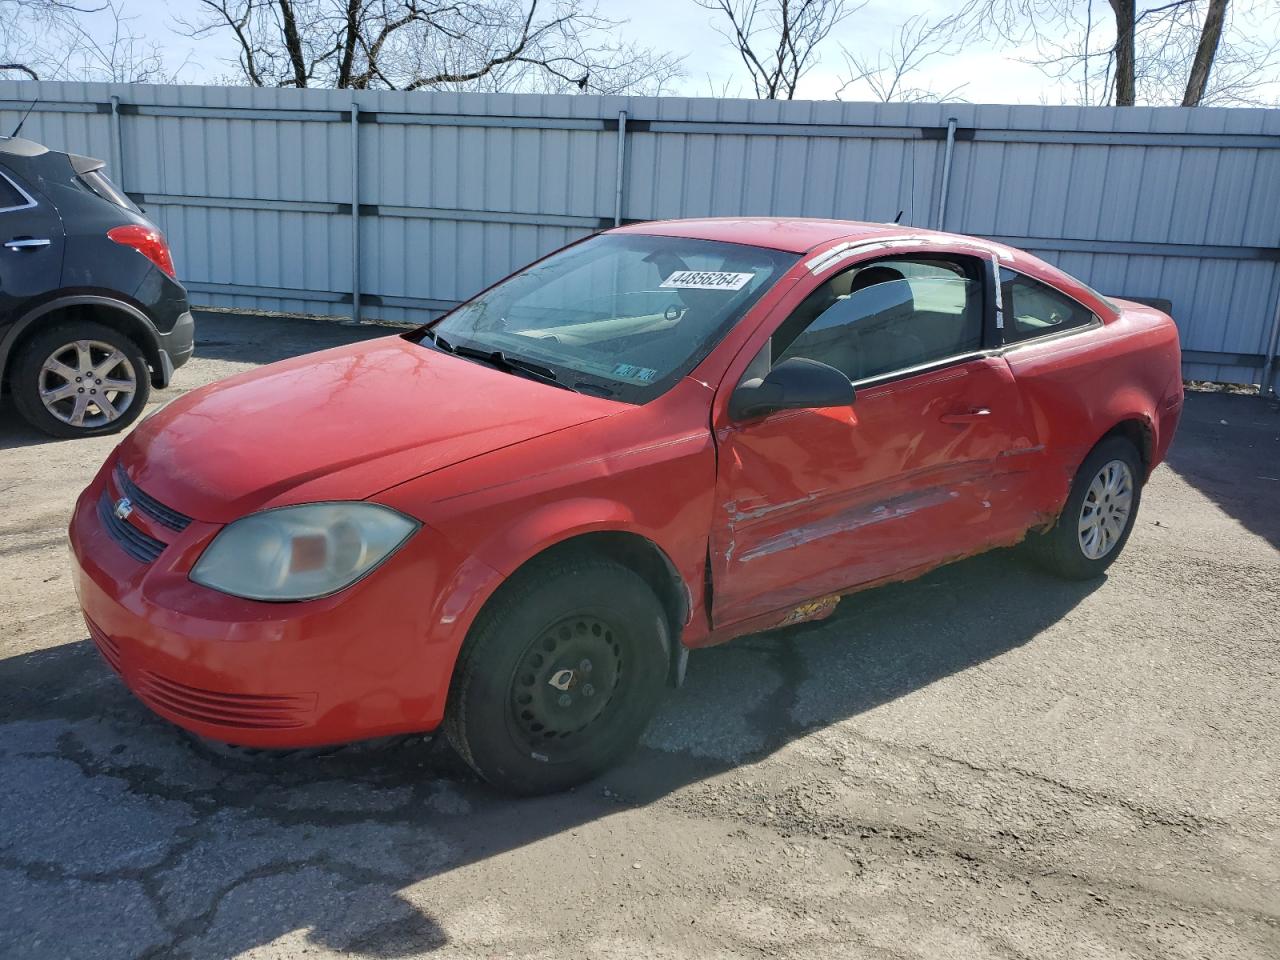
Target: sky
<point x="678" y="26"/>
<point x="983" y="74"/>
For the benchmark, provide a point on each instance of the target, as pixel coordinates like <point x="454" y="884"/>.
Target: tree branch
<point x="22" y="67"/>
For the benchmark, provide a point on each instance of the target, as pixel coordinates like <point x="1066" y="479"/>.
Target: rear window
<point x="10" y="196"/>
<point x="1033" y="309"/>
<point x="98" y="182"/>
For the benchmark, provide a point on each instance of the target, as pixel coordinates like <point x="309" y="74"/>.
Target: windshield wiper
<point x="438" y="340"/>
<point x="500" y="361"/>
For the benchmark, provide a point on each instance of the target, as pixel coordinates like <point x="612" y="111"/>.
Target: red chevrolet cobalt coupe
<point x="515" y="521"/>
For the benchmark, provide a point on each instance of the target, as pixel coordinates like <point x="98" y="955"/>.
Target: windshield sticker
<point x="643" y="374"/>
<point x="706" y="280"/>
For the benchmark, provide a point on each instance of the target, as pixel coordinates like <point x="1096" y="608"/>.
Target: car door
<point x="31" y="244"/>
<point x="922" y="467"/>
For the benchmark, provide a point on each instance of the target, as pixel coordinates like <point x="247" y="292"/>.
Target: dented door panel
<point x="917" y="471"/>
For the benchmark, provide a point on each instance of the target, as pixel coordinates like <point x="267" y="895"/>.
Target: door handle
<point x="27" y="243"/>
<point x="972" y="416"/>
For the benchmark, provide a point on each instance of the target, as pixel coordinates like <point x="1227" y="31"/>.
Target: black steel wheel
<point x="559" y="676"/>
<point x="566" y="682"/>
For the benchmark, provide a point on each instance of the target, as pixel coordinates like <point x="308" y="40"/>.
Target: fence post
<point x="617" y="191"/>
<point x="946" y="174"/>
<point x="117" y="150"/>
<point x="355" y="211"/>
<point x="1267" y="382"/>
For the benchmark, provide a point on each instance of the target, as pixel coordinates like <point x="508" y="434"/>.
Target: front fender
<point x="554" y="523"/>
<point x="491" y="563"/>
<point x="648" y="473"/>
<point x="477" y="574"/>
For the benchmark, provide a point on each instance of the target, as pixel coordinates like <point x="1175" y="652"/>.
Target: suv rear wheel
<point x="80" y="379"/>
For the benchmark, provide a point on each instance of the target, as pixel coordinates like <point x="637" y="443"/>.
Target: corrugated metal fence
<point x="398" y="205"/>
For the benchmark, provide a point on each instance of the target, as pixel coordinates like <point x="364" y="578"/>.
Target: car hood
<point x="341" y="424"/>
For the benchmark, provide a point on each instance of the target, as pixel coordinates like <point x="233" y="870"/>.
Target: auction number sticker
<point x="632" y="372"/>
<point x="706" y="280"/>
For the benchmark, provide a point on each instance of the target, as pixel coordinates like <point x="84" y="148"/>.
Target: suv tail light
<point x="149" y="242"/>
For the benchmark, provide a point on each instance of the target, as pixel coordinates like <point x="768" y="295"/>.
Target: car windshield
<point x="620" y="315"/>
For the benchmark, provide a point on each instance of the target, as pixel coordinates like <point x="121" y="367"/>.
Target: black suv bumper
<point x="175" y="347"/>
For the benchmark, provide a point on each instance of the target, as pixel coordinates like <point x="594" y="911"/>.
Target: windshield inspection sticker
<point x="706" y="280"/>
<point x="643" y="374"/>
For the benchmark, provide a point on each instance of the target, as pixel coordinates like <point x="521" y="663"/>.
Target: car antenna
<point x="18" y="128"/>
<point x="898" y="218"/>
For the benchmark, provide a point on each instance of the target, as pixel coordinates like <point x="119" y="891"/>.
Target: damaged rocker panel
<point x="847" y="521"/>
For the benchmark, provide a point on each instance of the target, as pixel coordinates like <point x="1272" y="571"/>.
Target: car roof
<point x="20" y="147"/>
<point x="791" y="234"/>
<point x="29" y="150"/>
<point x="799" y="235"/>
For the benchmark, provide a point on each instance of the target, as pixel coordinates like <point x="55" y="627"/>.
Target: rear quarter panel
<point x="1081" y="385"/>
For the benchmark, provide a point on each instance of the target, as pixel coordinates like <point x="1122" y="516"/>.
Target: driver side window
<point x="890" y="315"/>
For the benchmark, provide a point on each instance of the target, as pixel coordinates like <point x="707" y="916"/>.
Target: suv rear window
<point x="97" y="181"/>
<point x="10" y="197"/>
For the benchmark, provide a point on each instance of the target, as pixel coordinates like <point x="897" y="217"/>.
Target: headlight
<point x="303" y="552"/>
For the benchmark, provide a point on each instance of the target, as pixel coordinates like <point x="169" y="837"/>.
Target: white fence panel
<point x="254" y="188"/>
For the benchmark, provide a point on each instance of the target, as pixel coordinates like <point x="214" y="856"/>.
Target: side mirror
<point x="794" y="384"/>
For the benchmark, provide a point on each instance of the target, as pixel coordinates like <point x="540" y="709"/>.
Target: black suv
<point x="91" y="312"/>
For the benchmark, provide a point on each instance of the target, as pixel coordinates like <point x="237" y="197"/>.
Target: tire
<point x="559" y="676"/>
<point x="79" y="348"/>
<point x="1074" y="552"/>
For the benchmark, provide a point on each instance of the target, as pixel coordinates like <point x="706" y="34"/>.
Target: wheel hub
<point x="87" y="383"/>
<point x="566" y="679"/>
<point x="1104" y="514"/>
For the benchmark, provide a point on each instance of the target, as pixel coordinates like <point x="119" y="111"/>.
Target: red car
<point x="516" y="520"/>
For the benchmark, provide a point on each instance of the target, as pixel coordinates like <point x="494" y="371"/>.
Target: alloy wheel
<point x="87" y="383"/>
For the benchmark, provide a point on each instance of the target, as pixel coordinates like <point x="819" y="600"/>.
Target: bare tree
<point x="887" y="75"/>
<point x="117" y="54"/>
<point x="1190" y="52"/>
<point x="20" y="68"/>
<point x="1206" y="51"/>
<point x="21" y="23"/>
<point x="778" y="40"/>
<point x="1126" y="41"/>
<point x="60" y="40"/>
<point x="416" y="44"/>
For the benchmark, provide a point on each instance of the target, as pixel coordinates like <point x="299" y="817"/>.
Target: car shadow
<point x="249" y="338"/>
<point x="335" y="845"/>
<point x="1228" y="448"/>
<point x="15" y="433"/>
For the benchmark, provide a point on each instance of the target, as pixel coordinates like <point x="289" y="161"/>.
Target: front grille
<point x="106" y="646"/>
<point x="224" y="709"/>
<point x="132" y="541"/>
<point x="149" y="505"/>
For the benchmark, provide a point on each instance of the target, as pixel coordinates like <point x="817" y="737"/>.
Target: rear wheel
<point x="80" y="379"/>
<point x="559" y="676"/>
<point x="1099" y="514"/>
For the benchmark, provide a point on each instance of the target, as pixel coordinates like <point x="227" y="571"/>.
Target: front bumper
<point x="372" y="660"/>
